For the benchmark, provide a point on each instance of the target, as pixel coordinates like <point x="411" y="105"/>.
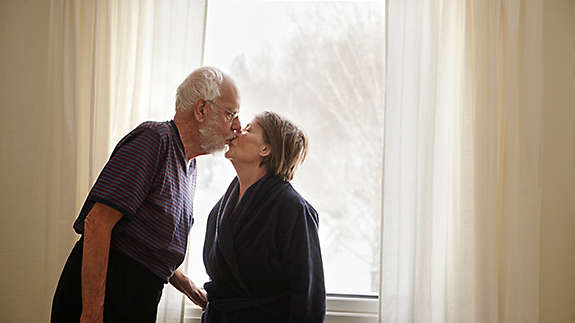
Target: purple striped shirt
<point x="147" y="179"/>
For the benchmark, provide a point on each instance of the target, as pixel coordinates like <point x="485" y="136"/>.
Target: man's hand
<point x="186" y="286"/>
<point x="198" y="296"/>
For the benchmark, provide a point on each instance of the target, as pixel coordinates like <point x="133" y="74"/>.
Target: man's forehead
<point x="230" y="102"/>
<point x="230" y="94"/>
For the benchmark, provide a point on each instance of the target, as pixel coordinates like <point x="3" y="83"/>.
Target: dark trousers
<point x="132" y="291"/>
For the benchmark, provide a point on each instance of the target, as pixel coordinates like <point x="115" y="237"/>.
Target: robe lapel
<point x="224" y="231"/>
<point x="246" y="211"/>
<point x="258" y="197"/>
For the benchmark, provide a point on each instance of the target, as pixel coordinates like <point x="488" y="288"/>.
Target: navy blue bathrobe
<point x="263" y="256"/>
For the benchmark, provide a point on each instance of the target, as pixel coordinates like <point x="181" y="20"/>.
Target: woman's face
<point x="248" y="146"/>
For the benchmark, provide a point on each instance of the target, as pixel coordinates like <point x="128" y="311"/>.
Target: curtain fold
<point x="460" y="239"/>
<point x="113" y="65"/>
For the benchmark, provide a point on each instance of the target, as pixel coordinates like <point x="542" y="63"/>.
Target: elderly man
<point x="136" y="219"/>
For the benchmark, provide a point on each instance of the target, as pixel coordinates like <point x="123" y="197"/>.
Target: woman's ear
<point x="200" y="110"/>
<point x="265" y="150"/>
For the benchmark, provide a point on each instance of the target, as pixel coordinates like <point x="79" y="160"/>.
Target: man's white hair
<point x="202" y="83"/>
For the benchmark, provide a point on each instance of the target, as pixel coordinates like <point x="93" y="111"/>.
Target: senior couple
<point x="261" y="248"/>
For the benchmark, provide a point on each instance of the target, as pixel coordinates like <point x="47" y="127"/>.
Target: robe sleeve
<point x="305" y="268"/>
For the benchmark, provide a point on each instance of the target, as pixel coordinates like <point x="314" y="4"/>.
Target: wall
<point x="23" y="132"/>
<point x="558" y="164"/>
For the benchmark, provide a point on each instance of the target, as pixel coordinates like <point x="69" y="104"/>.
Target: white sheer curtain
<point x="114" y="64"/>
<point x="461" y="238"/>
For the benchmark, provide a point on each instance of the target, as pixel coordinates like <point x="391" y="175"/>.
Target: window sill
<point x="340" y="309"/>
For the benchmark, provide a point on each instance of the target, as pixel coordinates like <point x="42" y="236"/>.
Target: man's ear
<point x="266" y="150"/>
<point x="200" y="110"/>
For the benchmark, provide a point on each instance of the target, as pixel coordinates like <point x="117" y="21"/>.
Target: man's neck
<point x="190" y="138"/>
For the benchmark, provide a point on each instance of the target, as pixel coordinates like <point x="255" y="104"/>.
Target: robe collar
<point x="257" y="197"/>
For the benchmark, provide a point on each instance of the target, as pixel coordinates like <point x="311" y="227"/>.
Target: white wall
<point x="23" y="132"/>
<point x="558" y="164"/>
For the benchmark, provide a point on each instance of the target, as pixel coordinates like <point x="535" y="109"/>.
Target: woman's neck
<point x="248" y="174"/>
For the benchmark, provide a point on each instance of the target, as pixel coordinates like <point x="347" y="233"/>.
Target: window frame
<point x="356" y="308"/>
<point x="340" y="308"/>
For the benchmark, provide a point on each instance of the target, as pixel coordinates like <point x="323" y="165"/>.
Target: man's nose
<point x="236" y="125"/>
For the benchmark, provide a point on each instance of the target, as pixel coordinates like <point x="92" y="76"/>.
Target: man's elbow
<point x="101" y="219"/>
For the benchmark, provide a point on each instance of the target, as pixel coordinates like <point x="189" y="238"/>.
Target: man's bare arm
<point x="98" y="227"/>
<point x="186" y="286"/>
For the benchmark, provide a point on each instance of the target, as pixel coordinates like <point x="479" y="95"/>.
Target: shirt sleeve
<point x="129" y="175"/>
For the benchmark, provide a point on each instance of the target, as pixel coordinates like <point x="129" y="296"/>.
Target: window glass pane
<point x="320" y="64"/>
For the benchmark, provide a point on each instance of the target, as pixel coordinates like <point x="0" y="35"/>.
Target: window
<point x="319" y="64"/>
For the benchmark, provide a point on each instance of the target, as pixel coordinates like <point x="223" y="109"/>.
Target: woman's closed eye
<point x="246" y="129"/>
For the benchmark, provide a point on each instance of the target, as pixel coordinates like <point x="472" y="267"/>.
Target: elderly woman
<point x="262" y="249"/>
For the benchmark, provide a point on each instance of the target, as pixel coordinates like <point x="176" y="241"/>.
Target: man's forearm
<point x="98" y="227"/>
<point x="182" y="283"/>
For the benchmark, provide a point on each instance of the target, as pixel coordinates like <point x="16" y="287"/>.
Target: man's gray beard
<point x="210" y="140"/>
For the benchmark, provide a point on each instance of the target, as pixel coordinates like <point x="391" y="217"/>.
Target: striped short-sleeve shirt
<point x="148" y="179"/>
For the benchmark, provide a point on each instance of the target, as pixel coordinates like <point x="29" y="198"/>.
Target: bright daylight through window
<point x="321" y="65"/>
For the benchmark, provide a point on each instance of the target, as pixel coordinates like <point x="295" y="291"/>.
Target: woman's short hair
<point x="202" y="83"/>
<point x="288" y="144"/>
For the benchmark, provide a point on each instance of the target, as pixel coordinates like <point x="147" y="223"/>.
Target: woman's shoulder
<point x="289" y="195"/>
<point x="293" y="200"/>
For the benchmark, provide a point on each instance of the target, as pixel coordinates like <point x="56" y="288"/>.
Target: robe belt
<point x="236" y="304"/>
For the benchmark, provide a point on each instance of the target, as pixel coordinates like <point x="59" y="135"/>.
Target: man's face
<point x="222" y="122"/>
